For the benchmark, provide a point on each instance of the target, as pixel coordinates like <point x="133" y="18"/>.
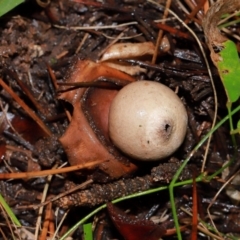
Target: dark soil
<point x="33" y="51"/>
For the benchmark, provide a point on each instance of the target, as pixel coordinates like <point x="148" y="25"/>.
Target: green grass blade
<point x="235" y="131"/>
<point x="176" y="176"/>
<point x="8" y="5"/>
<point x="87" y="230"/>
<point x="9" y="212"/>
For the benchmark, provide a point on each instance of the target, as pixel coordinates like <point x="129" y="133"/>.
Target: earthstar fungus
<point x="147" y="121"/>
<point x="87" y="137"/>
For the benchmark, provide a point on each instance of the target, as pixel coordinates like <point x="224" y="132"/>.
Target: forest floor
<point x="43" y="123"/>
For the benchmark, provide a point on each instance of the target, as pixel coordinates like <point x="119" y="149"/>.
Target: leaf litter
<point x="31" y="41"/>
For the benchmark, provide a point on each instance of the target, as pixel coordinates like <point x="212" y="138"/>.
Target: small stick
<point x="160" y="33"/>
<point x="195" y="11"/>
<point x="174" y="31"/>
<point x="101" y="82"/>
<point x="25" y="107"/>
<point x="27" y="91"/>
<point x="48" y="172"/>
<point x="54" y="82"/>
<point x="46" y="222"/>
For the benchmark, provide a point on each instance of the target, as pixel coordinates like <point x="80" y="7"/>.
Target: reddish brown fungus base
<point x="81" y="143"/>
